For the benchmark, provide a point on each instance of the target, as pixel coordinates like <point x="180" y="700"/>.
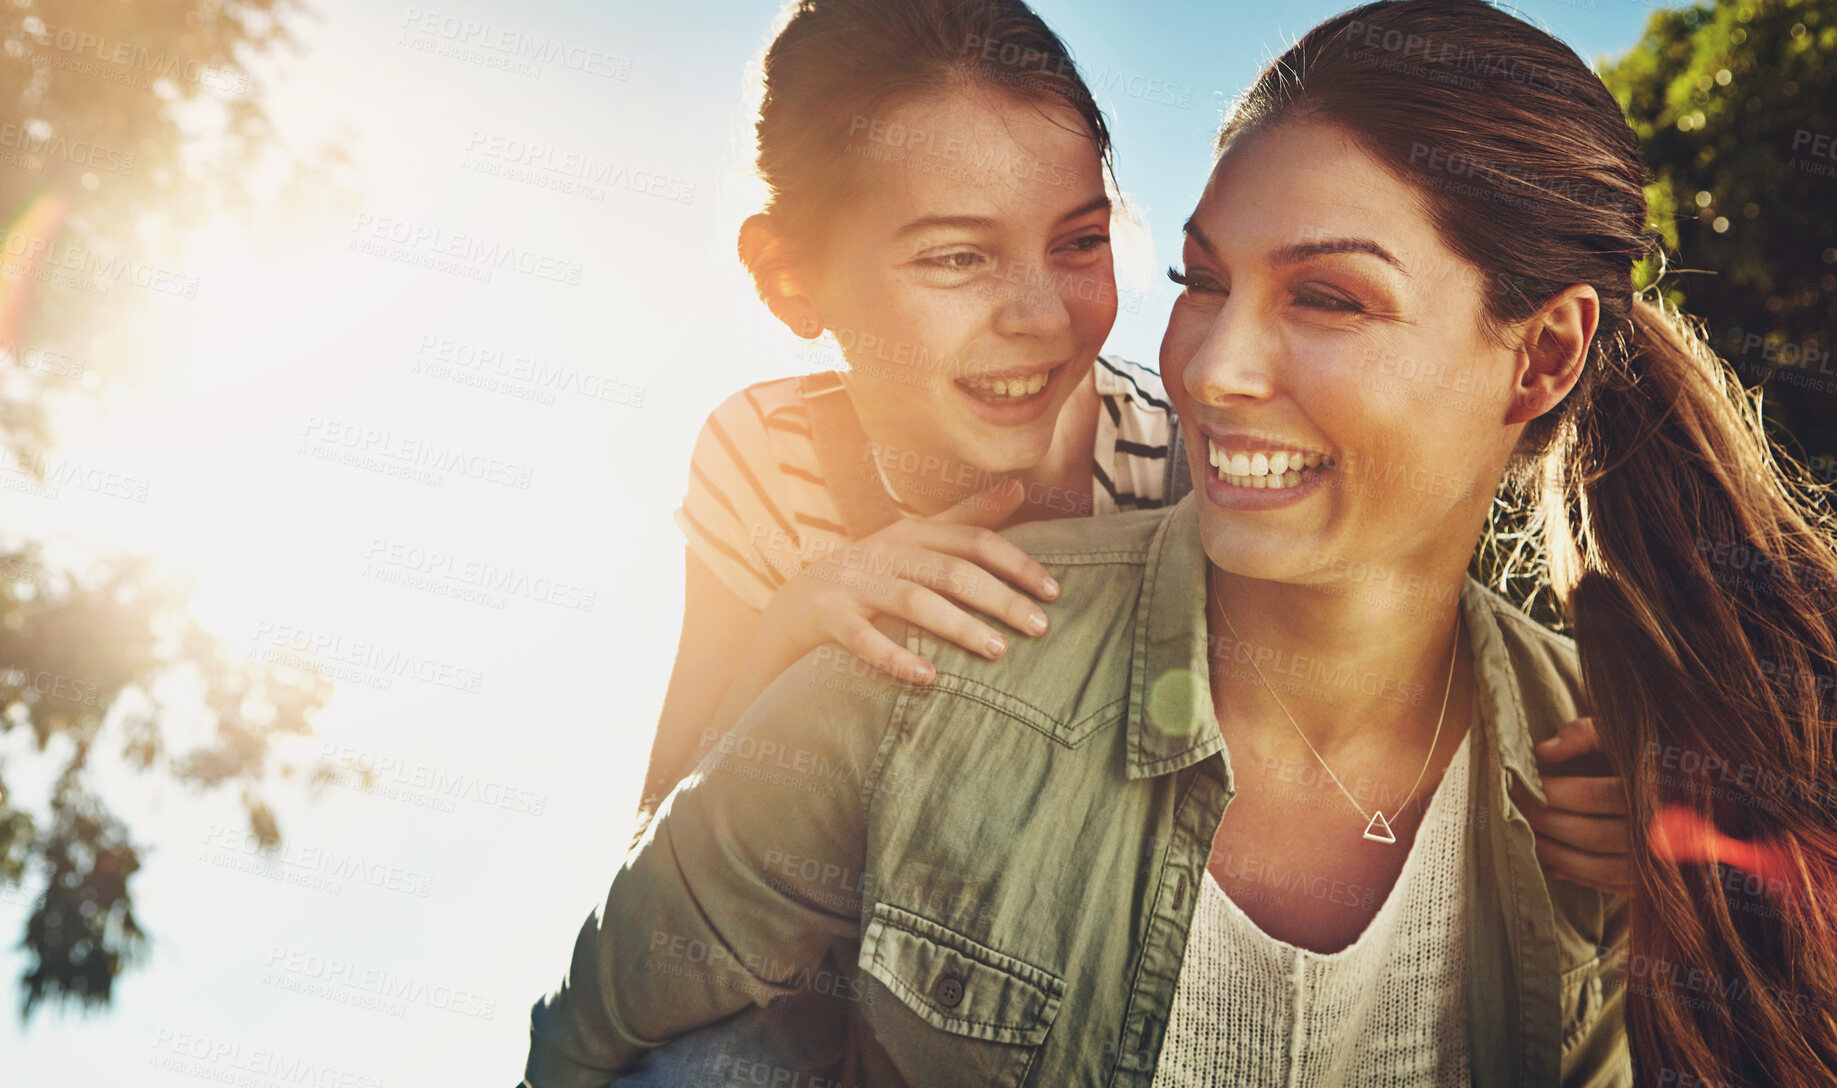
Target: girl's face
<point x="970" y="286"/>
<point x="1344" y="405"/>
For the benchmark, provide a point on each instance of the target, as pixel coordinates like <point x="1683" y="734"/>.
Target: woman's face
<point x="970" y="287"/>
<point x="1326" y="333"/>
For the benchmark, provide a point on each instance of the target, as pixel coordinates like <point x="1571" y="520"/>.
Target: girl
<point x="946" y="218"/>
<point x="938" y="204"/>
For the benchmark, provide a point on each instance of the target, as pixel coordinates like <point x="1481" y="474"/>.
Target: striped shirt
<point x="757" y="509"/>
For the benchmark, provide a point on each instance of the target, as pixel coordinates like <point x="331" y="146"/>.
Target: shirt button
<point x="949" y="992"/>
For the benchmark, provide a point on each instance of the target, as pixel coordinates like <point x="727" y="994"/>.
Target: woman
<point x="1102" y="765"/>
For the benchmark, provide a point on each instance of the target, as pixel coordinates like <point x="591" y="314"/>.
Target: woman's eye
<point x="1090" y="243"/>
<point x="962" y="261"/>
<point x="1315" y="299"/>
<point x="1198" y="283"/>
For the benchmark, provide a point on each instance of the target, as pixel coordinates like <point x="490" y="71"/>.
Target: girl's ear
<point x="1556" y="341"/>
<point x="777" y="280"/>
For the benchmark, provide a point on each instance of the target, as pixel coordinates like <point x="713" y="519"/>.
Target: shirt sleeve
<point x="708" y="914"/>
<point x="736" y="510"/>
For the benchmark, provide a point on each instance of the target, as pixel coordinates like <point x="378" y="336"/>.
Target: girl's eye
<point x="961" y="261"/>
<point x="1316" y="299"/>
<point x="1198" y="284"/>
<point x="1090" y="242"/>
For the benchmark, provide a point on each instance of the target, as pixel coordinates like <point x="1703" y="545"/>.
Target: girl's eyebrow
<point x="962" y="222"/>
<point x="983" y="222"/>
<point x="1098" y="203"/>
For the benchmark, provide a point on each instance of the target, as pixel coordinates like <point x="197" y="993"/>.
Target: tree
<point x="1735" y="107"/>
<point x="1735" y="104"/>
<point x="129" y="122"/>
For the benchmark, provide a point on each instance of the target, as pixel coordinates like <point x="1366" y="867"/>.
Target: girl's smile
<point x="1008" y="398"/>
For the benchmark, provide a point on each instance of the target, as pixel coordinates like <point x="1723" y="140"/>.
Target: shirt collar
<point x="1171" y="721"/>
<point x="1501" y="700"/>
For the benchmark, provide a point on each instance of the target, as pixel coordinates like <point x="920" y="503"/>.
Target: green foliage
<point x="103" y="666"/>
<point x="145" y="115"/>
<point x="1730" y="100"/>
<point x="142" y="116"/>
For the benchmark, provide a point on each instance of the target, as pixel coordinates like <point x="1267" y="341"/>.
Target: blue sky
<point x="504" y="808"/>
<point x="1200" y="55"/>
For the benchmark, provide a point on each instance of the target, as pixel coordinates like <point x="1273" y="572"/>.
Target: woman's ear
<point x="1556" y="340"/>
<point x="777" y="280"/>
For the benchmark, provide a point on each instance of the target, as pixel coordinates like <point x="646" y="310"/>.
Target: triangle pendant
<point x="1379" y="829"/>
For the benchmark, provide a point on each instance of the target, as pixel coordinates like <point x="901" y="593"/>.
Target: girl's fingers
<point x="991" y="552"/>
<point x="924" y="607"/>
<point x="866" y="642"/>
<point x="913" y="586"/>
<point x="1611" y="874"/>
<point x="1606" y="835"/>
<point x="1587" y="796"/>
<point x="1575" y="738"/>
<point x="982" y="591"/>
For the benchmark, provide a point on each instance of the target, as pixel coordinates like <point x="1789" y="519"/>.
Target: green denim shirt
<point x="1006" y="861"/>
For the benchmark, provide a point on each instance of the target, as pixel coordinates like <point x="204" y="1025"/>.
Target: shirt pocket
<point x="1583" y="999"/>
<point x="967" y="1013"/>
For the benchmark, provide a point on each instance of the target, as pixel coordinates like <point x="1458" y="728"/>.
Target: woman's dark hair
<point x="839" y="67"/>
<point x="1710" y="678"/>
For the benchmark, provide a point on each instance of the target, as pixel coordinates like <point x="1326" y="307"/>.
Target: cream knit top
<point x="1387" y="1011"/>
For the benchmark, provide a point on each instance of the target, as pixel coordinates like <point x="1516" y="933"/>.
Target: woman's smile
<point x="1251" y="473"/>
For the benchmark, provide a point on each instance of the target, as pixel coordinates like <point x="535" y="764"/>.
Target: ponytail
<point x="1698" y="570"/>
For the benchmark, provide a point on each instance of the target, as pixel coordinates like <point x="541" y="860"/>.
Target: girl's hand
<point x="934" y="571"/>
<point x="1583" y="834"/>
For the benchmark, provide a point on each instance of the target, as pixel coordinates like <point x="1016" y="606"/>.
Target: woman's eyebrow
<point x="1191" y="230"/>
<point x="1301" y="251"/>
<point x="1297" y="252"/>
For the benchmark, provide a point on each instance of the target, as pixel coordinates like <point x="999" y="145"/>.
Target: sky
<point x="403" y="931"/>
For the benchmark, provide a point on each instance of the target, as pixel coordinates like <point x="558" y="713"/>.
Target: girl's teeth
<point x="1007" y="389"/>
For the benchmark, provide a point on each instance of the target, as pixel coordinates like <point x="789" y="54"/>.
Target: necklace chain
<point x="1376" y="816"/>
<point x="842" y="386"/>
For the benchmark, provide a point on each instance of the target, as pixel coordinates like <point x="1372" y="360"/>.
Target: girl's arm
<point x="717" y="632"/>
<point x="705" y="917"/>
<point x="934" y="572"/>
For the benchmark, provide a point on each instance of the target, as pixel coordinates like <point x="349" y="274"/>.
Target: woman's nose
<point x="1232" y="360"/>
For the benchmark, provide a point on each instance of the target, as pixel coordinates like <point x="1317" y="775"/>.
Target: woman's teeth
<point x="1006" y="391"/>
<point x="1265" y="469"/>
